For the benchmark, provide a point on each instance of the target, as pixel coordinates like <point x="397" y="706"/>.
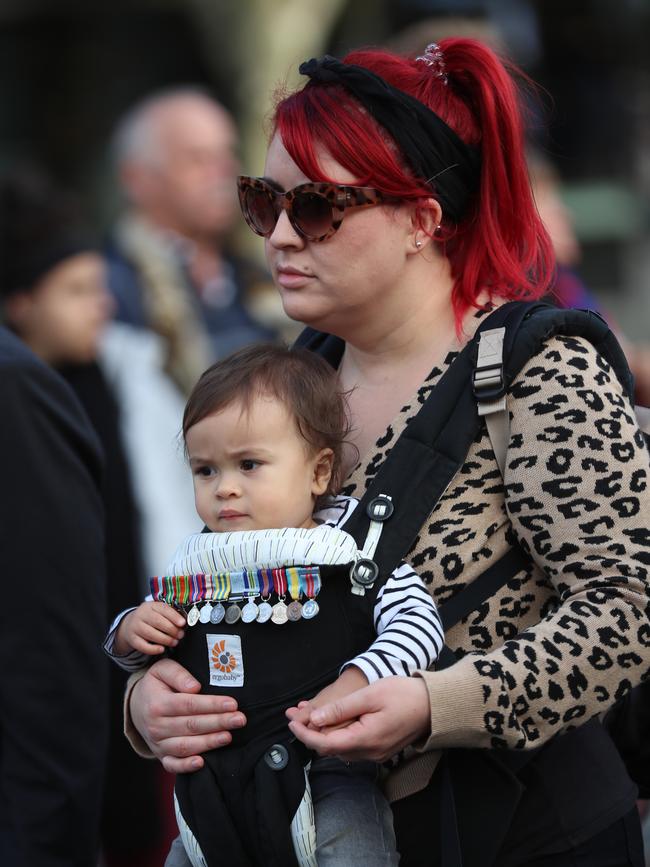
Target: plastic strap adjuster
<point x="488" y="381"/>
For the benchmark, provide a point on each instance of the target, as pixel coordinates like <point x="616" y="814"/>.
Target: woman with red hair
<point x="397" y="213"/>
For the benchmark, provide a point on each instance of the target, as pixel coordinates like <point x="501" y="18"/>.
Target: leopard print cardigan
<point x="570" y="633"/>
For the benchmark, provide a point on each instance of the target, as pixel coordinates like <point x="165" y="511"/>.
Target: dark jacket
<point x="53" y="700"/>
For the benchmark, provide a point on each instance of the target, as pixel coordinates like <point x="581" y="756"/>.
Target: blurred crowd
<point x="130" y="321"/>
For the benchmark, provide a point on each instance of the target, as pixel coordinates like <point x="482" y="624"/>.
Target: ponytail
<point x="502" y="244"/>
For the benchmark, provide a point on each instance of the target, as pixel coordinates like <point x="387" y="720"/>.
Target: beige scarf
<point x="167" y="298"/>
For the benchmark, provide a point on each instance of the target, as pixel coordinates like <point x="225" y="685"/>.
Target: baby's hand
<point x="349" y="681"/>
<point x="150" y="628"/>
<point x="303" y="712"/>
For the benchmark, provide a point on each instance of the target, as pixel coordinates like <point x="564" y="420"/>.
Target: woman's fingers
<point x="206" y="721"/>
<point x="372" y="723"/>
<point x="181" y="766"/>
<point x="300" y="713"/>
<point x="346" y="742"/>
<point x="176" y="723"/>
<point x="172" y="675"/>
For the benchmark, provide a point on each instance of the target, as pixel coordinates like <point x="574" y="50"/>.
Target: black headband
<point x="432" y="149"/>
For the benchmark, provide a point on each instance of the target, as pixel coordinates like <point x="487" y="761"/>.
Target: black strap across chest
<point x="434" y="444"/>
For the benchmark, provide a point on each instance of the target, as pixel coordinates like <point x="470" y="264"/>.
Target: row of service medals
<point x="202" y="596"/>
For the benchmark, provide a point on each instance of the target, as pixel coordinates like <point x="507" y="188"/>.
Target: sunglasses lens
<point x="259" y="211"/>
<point x="312" y="214"/>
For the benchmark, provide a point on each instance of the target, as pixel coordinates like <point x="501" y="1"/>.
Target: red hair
<point x="500" y="244"/>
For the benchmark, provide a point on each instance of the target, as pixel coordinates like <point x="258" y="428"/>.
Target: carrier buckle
<point x="381" y="508"/>
<point x="277" y="757"/>
<point x="363" y="574"/>
<point x="488" y="381"/>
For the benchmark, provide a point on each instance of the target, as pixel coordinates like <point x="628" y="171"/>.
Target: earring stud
<point x="418" y="244"/>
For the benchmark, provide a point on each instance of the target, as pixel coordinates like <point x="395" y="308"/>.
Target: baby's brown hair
<point x="304" y="382"/>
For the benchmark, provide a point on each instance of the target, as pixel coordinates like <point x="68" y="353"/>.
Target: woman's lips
<point x="290" y="278"/>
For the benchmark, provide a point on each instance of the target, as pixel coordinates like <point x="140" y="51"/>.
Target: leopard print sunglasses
<point x="314" y="210"/>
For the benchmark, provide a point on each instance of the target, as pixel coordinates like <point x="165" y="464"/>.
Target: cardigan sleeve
<point x="132" y="734"/>
<point x="577" y="499"/>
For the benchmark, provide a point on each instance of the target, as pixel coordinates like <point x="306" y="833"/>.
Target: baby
<point x="264" y="432"/>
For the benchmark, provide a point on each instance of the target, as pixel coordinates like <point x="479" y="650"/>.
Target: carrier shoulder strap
<point x="503" y="351"/>
<point x="425" y="458"/>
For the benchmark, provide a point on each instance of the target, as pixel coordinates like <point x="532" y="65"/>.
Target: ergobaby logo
<point x="225" y="660"/>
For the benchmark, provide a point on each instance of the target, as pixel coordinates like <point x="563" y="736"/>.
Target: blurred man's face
<point x="190" y="185"/>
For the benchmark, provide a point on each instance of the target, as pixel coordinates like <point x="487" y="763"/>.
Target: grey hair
<point x="135" y="138"/>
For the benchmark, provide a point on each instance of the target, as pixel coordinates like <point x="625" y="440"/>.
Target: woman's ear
<point x="323" y="465"/>
<point x="425" y="220"/>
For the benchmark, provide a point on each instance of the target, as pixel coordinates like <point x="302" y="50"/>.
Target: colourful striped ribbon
<point x="183" y="590"/>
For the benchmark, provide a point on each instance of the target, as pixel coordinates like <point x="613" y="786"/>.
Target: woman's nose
<point x="284" y="235"/>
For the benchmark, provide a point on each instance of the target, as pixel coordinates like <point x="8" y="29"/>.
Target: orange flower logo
<point x="222" y="659"/>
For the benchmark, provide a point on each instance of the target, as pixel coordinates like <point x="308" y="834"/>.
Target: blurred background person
<point x="54" y="297"/>
<point x="53" y="681"/>
<point x="169" y="267"/>
<point x="181" y="297"/>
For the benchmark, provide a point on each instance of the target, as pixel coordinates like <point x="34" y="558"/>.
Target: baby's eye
<point x="203" y="471"/>
<point x="248" y="464"/>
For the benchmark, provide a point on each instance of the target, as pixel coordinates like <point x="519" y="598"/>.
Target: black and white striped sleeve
<point x="408" y="626"/>
<point x="134" y="660"/>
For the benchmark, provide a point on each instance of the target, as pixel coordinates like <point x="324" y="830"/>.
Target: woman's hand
<point x="177" y="723"/>
<point x="379" y="720"/>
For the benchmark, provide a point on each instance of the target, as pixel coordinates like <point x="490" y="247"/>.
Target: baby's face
<point x="253" y="470"/>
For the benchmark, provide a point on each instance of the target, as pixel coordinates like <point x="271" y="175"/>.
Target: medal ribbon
<point x="293" y="575"/>
<point x="266" y="582"/>
<point x="310" y="582"/>
<point x="279" y="582"/>
<point x="251" y="583"/>
<point x="238" y="581"/>
<point x="220" y="586"/>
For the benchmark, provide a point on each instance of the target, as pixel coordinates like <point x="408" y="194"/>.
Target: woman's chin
<point x="309" y="311"/>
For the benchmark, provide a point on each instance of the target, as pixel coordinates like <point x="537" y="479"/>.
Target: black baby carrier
<point x="272" y="615"/>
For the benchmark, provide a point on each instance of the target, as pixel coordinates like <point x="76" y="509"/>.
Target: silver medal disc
<point x="193" y="616"/>
<point x="294" y="610"/>
<point x="206" y="611"/>
<point x="264" y="612"/>
<point x="217" y="614"/>
<point x="310" y="609"/>
<point x="249" y="612"/>
<point x="279" y="613"/>
<point x="233" y="613"/>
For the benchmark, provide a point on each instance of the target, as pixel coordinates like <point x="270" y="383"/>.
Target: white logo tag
<point x="225" y="660"/>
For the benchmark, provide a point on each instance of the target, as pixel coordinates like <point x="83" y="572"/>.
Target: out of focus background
<point x="122" y="127"/>
<point x="70" y="69"/>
